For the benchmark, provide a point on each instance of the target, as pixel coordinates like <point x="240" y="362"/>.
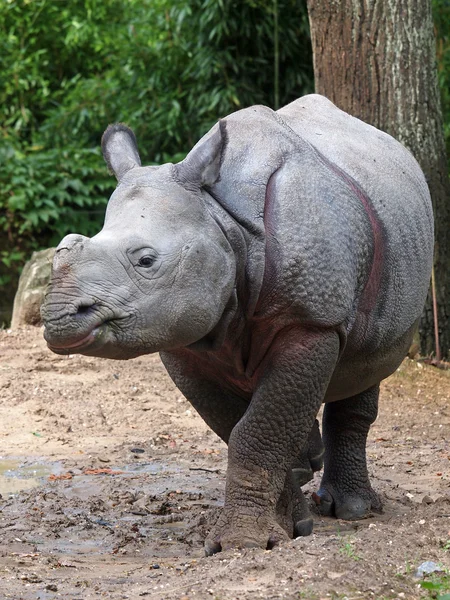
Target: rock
<point x="32" y="285"/>
<point x="334" y="575"/>
<point x="140" y="507"/>
<point x="31" y="578"/>
<point x="428" y="567"/>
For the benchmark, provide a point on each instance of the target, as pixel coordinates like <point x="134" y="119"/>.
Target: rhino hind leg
<point x="293" y="512"/>
<point x="312" y="458"/>
<point x="345" y="490"/>
<point x="302" y="472"/>
<point x="292" y="507"/>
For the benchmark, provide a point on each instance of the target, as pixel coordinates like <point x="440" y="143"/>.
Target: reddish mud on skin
<point x="371" y="289"/>
<point x="88" y="411"/>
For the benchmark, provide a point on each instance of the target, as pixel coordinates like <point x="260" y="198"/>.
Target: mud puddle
<point x="17" y="475"/>
<point x="151" y="507"/>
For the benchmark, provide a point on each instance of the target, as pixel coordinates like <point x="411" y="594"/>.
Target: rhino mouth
<point x="91" y="340"/>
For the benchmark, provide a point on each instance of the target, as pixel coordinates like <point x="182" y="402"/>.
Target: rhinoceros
<point x="284" y="263"/>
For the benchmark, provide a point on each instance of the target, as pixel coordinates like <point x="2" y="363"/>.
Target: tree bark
<point x="376" y="59"/>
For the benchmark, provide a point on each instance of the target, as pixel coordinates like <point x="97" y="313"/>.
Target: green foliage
<point x="180" y="66"/>
<point x="168" y="69"/>
<point x="441" y="15"/>
<point x="47" y="191"/>
<point x="438" y="587"/>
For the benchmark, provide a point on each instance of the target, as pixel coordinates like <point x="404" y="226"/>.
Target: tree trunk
<point x="376" y="59"/>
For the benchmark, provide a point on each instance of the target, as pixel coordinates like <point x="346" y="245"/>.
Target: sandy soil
<point x="136" y="528"/>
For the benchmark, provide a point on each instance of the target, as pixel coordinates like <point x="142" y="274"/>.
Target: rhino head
<point x="160" y="273"/>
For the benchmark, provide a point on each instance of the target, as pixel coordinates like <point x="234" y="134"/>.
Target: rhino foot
<point x="345" y="491"/>
<point x="304" y="527"/>
<point x="345" y="504"/>
<point x="243" y="531"/>
<point x="301" y="473"/>
<point x="293" y="512"/>
<point x="303" y="520"/>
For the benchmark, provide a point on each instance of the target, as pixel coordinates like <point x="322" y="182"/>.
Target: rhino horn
<point x="120" y="150"/>
<point x="201" y="167"/>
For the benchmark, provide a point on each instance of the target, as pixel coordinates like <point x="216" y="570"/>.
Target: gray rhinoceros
<point x="284" y="263"/>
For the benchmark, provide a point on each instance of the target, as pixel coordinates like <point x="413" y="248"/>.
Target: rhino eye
<point x="146" y="261"/>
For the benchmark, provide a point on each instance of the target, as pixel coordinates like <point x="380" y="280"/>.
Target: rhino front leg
<point x="345" y="490"/>
<point x="222" y="410"/>
<point x="269" y="438"/>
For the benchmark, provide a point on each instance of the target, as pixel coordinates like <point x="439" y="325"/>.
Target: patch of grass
<point x="346" y="548"/>
<point x="409" y="568"/>
<point x="446" y="546"/>
<point x="438" y="587"/>
<point x="307" y="594"/>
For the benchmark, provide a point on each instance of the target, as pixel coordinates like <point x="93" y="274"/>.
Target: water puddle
<point x="17" y="475"/>
<point x="154" y="468"/>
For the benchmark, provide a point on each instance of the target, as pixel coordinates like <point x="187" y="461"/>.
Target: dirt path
<point x="136" y="528"/>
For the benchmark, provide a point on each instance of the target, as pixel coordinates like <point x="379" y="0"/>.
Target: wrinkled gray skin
<point x="284" y="263"/>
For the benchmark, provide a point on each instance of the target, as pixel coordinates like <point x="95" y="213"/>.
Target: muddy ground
<point x="109" y="479"/>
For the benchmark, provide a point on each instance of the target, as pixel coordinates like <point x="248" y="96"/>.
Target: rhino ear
<point x="201" y="167"/>
<point x="120" y="150"/>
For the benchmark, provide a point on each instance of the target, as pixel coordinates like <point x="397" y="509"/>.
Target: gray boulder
<point x="30" y="292"/>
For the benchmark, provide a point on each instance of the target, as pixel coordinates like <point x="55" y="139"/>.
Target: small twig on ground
<point x="204" y="469"/>
<point x="435" y="317"/>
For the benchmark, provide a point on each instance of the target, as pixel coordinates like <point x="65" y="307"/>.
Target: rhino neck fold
<point x="247" y="242"/>
<point x="248" y="251"/>
<point x="223" y="330"/>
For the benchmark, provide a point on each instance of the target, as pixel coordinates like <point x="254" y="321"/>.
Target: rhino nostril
<point x="86" y="308"/>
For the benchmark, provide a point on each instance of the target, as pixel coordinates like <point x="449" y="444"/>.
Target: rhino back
<point x="396" y="194"/>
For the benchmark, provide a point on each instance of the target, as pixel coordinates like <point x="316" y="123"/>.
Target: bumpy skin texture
<point x="345" y="490"/>
<point x="284" y="263"/>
